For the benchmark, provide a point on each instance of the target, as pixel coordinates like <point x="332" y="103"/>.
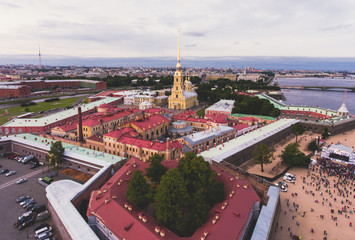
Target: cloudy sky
<point x="138" y="28"/>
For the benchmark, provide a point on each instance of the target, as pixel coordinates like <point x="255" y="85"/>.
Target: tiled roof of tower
<point x="233" y="213"/>
<point x="150" y="122"/>
<point x="47" y="120"/>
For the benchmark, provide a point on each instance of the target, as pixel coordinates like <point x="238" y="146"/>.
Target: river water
<point x="327" y="99"/>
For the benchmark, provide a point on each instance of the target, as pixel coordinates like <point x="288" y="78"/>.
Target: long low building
<point x="240" y="149"/>
<point x="44" y="124"/>
<point x="83" y="159"/>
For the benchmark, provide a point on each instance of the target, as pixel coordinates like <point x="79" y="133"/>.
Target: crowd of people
<point x="332" y="186"/>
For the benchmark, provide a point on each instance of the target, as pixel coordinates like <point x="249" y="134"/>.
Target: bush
<point x="51" y="99"/>
<point x="312" y="146"/>
<point x="292" y="156"/>
<point x="28" y="104"/>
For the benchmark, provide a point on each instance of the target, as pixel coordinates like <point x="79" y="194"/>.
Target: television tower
<point x="39" y="56"/>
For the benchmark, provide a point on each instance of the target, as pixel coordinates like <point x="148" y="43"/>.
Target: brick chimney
<point x="80" y="125"/>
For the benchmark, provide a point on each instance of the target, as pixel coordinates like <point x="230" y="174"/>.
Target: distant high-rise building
<point x="39" y="57"/>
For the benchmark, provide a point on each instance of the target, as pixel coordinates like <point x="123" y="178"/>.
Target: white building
<point x="222" y="107"/>
<point x="145" y="105"/>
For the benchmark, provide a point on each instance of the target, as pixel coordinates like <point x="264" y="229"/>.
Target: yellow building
<point x="183" y="96"/>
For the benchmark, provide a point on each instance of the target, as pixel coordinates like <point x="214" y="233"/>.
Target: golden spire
<point x="178" y="65"/>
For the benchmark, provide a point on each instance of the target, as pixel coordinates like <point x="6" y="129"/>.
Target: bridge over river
<point x="323" y="88"/>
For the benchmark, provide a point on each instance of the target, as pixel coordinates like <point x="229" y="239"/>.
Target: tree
<point x="312" y="146"/>
<point x="156" y="170"/>
<point x="55" y="154"/>
<point x="262" y="155"/>
<point x="170" y="199"/>
<point x="297" y="129"/>
<point x="325" y="134"/>
<point x="139" y="192"/>
<point x="27" y="109"/>
<point x="292" y="156"/>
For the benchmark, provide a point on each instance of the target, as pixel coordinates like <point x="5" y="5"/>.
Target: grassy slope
<point x="43" y="106"/>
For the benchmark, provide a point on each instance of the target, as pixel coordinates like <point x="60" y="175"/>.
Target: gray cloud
<point x="10" y="5"/>
<point x="236" y="43"/>
<point x="336" y="27"/>
<point x="191" y="45"/>
<point x="196" y="33"/>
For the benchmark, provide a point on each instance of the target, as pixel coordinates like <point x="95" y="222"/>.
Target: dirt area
<point x="276" y="166"/>
<point x="346" y="138"/>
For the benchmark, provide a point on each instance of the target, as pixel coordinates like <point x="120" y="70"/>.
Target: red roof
<point x="154" y="110"/>
<point x="240" y="126"/>
<point x="95" y="138"/>
<point x="97" y="118"/>
<point x="249" y="119"/>
<point x="111" y="207"/>
<point x="154" y="145"/>
<point x="119" y="133"/>
<point x="105" y="105"/>
<point x="150" y="122"/>
<point x="68" y="127"/>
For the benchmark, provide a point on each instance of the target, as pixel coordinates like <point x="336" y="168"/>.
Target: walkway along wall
<point x="247" y="153"/>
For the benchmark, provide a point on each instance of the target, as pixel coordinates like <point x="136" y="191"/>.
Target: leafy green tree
<point x="297" y="129"/>
<point x="325" y="133"/>
<point x="312" y="146"/>
<point x="195" y="171"/>
<point x="262" y="155"/>
<point x="292" y="156"/>
<point x="170" y="199"/>
<point x="55" y="154"/>
<point x="156" y="170"/>
<point x="139" y="192"/>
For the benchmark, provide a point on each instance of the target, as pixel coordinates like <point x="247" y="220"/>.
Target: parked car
<point x="4" y="171"/>
<point x="39" y="226"/>
<point x="28" y="158"/>
<point x="28" y="203"/>
<point x="20" y="159"/>
<point x="19" y="222"/>
<point x="30" y="206"/>
<point x="44" y="235"/>
<point x="287" y="179"/>
<point x="283" y="184"/>
<point x="22" y="180"/>
<point x="27" y="223"/>
<point x="42" y="230"/>
<point x="34" y="165"/>
<point x="43" y="215"/>
<point x="22" y="198"/>
<point x="289" y="175"/>
<point x="10" y="173"/>
<point x="26" y="214"/>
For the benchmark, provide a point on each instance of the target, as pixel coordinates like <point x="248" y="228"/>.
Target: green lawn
<point x="201" y="112"/>
<point x="43" y="106"/>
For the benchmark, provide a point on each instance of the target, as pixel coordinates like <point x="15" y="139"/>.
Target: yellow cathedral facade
<point x="183" y="96"/>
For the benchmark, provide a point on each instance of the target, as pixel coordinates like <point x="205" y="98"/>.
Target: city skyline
<point x="89" y="29"/>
